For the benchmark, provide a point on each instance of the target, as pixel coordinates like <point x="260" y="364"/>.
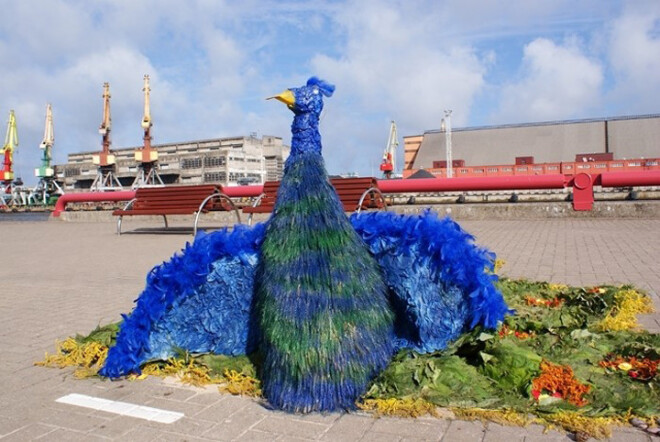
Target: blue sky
<point x="212" y="63"/>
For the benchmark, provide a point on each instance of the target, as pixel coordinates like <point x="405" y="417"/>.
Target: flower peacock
<point x="324" y="299"/>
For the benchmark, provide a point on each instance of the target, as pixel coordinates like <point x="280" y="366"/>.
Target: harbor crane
<point x="106" y="179"/>
<point x="147" y="157"/>
<point x="47" y="187"/>
<point x="7" y="172"/>
<point x="388" y="165"/>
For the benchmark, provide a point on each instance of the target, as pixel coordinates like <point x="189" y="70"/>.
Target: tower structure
<point x="11" y="143"/>
<point x="106" y="179"/>
<point x="47" y="186"/>
<point x="446" y="127"/>
<point x="7" y="172"/>
<point x="147" y="157"/>
<point x="388" y="165"/>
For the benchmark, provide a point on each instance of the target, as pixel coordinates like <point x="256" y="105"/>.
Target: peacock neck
<point x="305" y="134"/>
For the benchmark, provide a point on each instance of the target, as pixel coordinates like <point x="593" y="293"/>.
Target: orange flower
<point x="559" y="381"/>
<point x="640" y="369"/>
<point x="540" y="302"/>
<point x="506" y="331"/>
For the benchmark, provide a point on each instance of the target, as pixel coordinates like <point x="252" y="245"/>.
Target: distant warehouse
<point x="226" y="161"/>
<point x="547" y="142"/>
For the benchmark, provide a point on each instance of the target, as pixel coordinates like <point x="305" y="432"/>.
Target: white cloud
<point x="393" y="65"/>
<point x="634" y="54"/>
<point x="556" y="81"/>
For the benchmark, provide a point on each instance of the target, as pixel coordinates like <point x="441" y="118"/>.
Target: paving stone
<point x="221" y="410"/>
<point x="72" y="421"/>
<point x="187" y="408"/>
<point x="174" y="394"/>
<point x="185" y="426"/>
<point x="632" y="435"/>
<point x="64" y="435"/>
<point x="504" y="433"/>
<point x="29" y="432"/>
<point x="416" y="439"/>
<point x="289" y="427"/>
<point x="374" y="436"/>
<point x="464" y="431"/>
<point x="164" y="436"/>
<point x="256" y="436"/>
<point x="206" y="398"/>
<point x="235" y="425"/>
<point x="427" y="429"/>
<point x="116" y="428"/>
<point x="319" y="418"/>
<point x="141" y="433"/>
<point x="538" y="433"/>
<point x="349" y="427"/>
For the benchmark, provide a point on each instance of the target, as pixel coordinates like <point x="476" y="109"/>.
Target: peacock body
<point x="325" y="299"/>
<point x="321" y="303"/>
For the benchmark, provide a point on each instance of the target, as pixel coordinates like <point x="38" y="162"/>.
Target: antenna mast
<point x="446" y="126"/>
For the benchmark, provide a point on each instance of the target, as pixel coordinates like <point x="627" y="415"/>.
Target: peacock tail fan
<point x="199" y="300"/>
<point x="325" y="322"/>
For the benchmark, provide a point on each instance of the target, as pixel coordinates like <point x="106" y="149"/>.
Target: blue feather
<point x="199" y="301"/>
<point x="436" y="275"/>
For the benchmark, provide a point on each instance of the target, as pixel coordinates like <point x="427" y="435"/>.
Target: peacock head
<point x="307" y="99"/>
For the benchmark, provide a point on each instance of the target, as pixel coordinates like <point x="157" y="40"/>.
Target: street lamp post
<point x="446" y="127"/>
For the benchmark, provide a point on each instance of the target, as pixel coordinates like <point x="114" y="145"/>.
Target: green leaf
<point x="485" y="356"/>
<point x="485" y="337"/>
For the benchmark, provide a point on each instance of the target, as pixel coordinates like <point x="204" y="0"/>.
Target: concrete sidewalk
<point x="60" y="278"/>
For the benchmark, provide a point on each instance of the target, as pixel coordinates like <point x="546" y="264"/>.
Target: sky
<point x="212" y="63"/>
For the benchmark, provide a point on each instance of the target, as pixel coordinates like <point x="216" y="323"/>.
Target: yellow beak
<point x="285" y="97"/>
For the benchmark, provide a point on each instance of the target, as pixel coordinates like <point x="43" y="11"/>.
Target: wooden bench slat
<point x="173" y="200"/>
<point x="349" y="191"/>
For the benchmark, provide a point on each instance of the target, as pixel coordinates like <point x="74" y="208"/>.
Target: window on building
<point x="213" y="177"/>
<point x="214" y="161"/>
<point x="191" y="163"/>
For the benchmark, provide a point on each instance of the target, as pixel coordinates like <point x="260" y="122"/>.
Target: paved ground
<point x="58" y="279"/>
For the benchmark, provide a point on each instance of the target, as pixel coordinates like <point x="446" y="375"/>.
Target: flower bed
<point x="570" y="356"/>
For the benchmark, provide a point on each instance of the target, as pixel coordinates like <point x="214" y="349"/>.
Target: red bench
<point x="177" y="200"/>
<point x="356" y="194"/>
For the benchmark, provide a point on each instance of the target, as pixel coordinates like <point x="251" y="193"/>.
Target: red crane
<point x="388" y="165"/>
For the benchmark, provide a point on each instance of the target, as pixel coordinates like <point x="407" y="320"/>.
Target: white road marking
<point x="122" y="408"/>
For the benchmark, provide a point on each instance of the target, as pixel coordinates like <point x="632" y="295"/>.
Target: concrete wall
<point x="633" y="137"/>
<point x="546" y="143"/>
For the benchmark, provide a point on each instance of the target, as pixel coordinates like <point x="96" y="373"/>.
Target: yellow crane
<point x="147" y="174"/>
<point x="11" y="143"/>
<point x="105" y="160"/>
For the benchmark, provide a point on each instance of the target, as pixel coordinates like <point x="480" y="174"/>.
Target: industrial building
<point x="601" y="139"/>
<point x="226" y="161"/>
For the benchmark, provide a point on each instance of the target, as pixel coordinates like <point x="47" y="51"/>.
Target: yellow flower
<point x="624" y="366"/>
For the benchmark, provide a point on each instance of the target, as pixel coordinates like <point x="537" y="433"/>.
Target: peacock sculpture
<point x="326" y="300"/>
